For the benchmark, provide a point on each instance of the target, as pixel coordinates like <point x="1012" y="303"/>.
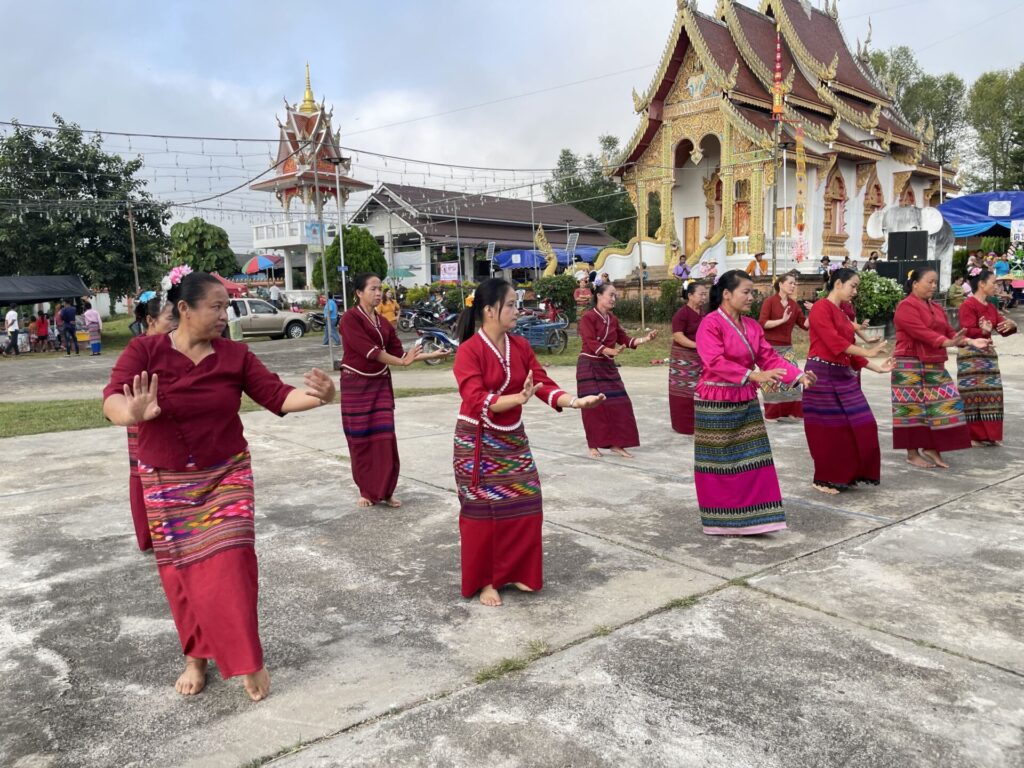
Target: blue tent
<point x="983" y="213"/>
<point x="523" y="258"/>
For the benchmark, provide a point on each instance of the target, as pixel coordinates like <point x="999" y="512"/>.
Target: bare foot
<point x="995" y="444"/>
<point x="978" y="444"/>
<point x="489" y="596"/>
<point x="393" y="502"/>
<point x="595" y="453"/>
<point x="826" y="489"/>
<point x="257" y="685"/>
<point x="364" y="502"/>
<point x="622" y="452"/>
<point x="193" y="679"/>
<point x="936" y="458"/>
<point x="522" y="587"/>
<point x="770" y="421"/>
<point x="919" y="461"/>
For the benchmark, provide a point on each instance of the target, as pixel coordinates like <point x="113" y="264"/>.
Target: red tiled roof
<point x="725" y="53"/>
<point x="822" y="37"/>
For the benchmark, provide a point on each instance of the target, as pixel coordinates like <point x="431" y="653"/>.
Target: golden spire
<point x="308" y="103"/>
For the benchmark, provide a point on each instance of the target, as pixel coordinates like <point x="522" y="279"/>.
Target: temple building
<point x="309" y="171"/>
<point x="701" y="167"/>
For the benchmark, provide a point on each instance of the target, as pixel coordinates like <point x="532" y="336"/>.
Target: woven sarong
<point x="781" y="399"/>
<point x="136" y="496"/>
<point x="841" y="431"/>
<point x="927" y="411"/>
<point x="368" y="419"/>
<point x="981" y="388"/>
<point x="613" y="424"/>
<point x="94" y="332"/>
<point x="733" y="470"/>
<point x="201" y="521"/>
<point x="501" y="511"/>
<point x="683" y="371"/>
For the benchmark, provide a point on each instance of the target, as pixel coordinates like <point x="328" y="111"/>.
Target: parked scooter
<point x="436" y="340"/>
<point x="316" y="320"/>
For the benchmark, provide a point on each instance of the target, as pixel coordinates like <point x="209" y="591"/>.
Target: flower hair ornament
<point x="175" y="276"/>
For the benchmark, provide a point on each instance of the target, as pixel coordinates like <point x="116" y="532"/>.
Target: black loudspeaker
<point x="900" y="270"/>
<point x="908" y="246"/>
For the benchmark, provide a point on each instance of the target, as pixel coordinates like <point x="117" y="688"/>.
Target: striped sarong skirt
<point x="981" y="388"/>
<point x="613" y="424"/>
<point x="683" y="372"/>
<point x="501" y="508"/>
<point x="368" y="419"/>
<point x="201" y="522"/>
<point x="733" y="469"/>
<point x="136" y="495"/>
<point x="927" y="411"/>
<point x="842" y="434"/>
<point x="782" y="399"/>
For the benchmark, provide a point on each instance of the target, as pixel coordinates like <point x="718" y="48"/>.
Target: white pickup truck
<point x="261" y="318"/>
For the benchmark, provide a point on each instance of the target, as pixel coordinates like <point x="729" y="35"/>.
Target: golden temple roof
<point x="308" y="105"/>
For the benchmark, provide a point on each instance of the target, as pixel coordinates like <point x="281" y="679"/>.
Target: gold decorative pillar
<point x="757" y="209"/>
<point x="728" y="187"/>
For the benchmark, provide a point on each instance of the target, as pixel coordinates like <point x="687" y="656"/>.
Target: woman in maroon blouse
<point x="614" y="425"/>
<point x="842" y="434"/>
<point x="194" y="464"/>
<point x="159" y="319"/>
<point x="371" y="347"/>
<point x="780" y="313"/>
<point x="684" y="362"/>
<point x="978" y="369"/>
<point x="927" y="412"/>
<point x="501" y="513"/>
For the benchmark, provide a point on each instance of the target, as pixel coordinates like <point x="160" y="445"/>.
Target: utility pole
<point x="135" y="258"/>
<point x="339" y="195"/>
<point x="323" y="255"/>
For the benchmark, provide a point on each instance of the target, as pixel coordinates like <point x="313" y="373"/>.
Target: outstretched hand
<point x="141" y="397"/>
<point x="809" y="379"/>
<point x="882" y="366"/>
<point x="768" y="374"/>
<point x="590" y="401"/>
<point x="319" y="385"/>
<point x="529" y="389"/>
<point x="611" y="351"/>
<point x="410" y="357"/>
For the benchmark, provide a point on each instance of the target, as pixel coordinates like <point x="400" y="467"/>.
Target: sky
<point x="404" y="78"/>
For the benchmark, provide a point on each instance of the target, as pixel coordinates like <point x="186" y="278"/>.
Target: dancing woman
<point x="978" y="369"/>
<point x="499" y="490"/>
<point x="684" y="363"/>
<point x="159" y="319"/>
<point x="614" y="425"/>
<point x="780" y="314"/>
<point x="927" y="412"/>
<point x="841" y="431"/>
<point x="370" y="347"/>
<point x="734" y="472"/>
<point x="197" y="477"/>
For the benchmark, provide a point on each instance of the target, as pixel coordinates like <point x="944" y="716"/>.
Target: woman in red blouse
<point x="684" y="362"/>
<point x="499" y="490"/>
<point x="927" y="412"/>
<point x="978" y="369"/>
<point x="613" y="426"/>
<point x="159" y="319"/>
<point x="780" y="313"/>
<point x="841" y="431"/>
<point x="196" y="474"/>
<point x="371" y="347"/>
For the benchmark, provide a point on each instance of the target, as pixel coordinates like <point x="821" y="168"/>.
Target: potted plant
<point x="876" y="301"/>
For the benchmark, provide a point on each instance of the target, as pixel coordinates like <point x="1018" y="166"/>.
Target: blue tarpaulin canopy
<point x="531" y="258"/>
<point x="983" y="213"/>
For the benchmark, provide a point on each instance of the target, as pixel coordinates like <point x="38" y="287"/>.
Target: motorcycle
<point x="316" y="320"/>
<point x="436" y="340"/>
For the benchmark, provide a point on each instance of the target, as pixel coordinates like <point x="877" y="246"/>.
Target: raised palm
<point x="142" y="398"/>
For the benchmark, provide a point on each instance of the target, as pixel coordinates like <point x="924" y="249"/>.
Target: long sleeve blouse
<point x="971" y="313"/>
<point x="686" y="321"/>
<point x="199" y="404"/>
<point x="485" y="372"/>
<point x="921" y="329"/>
<point x="730" y="353"/>
<point x="363" y="337"/>
<point x="831" y="334"/>
<point x="772" y="309"/>
<point x="598" y="331"/>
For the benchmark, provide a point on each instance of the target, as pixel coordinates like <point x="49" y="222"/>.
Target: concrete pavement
<point x="883" y="629"/>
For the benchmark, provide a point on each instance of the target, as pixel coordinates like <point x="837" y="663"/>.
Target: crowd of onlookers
<point x="56" y="331"/>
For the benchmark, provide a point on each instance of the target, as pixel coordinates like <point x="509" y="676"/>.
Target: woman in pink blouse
<point x="734" y="472"/>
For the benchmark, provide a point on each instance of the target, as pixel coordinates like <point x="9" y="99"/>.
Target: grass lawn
<point x="33" y="418"/>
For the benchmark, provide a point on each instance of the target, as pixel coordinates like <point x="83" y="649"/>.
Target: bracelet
<point x="572" y="403"/>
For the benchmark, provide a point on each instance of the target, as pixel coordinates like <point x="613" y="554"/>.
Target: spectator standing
<point x="94" y="325"/>
<point x="42" y="332"/>
<point x="69" y="329"/>
<point x="275" y="295"/>
<point x="11" y="325"/>
<point x="331" y="322"/>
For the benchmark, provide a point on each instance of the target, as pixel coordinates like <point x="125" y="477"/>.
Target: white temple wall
<point x="688" y="200"/>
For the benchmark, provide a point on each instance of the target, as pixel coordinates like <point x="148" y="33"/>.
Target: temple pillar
<point x="757" y="206"/>
<point x="309" y="268"/>
<point x="728" y="188"/>
<point x="288" y="286"/>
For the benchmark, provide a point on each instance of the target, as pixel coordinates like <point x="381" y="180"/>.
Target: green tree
<point x="994" y="107"/>
<point x="942" y="102"/>
<point x="203" y="246"/>
<point x="580" y="181"/>
<point x="362" y="254"/>
<point x="898" y="68"/>
<point x="64" y="209"/>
